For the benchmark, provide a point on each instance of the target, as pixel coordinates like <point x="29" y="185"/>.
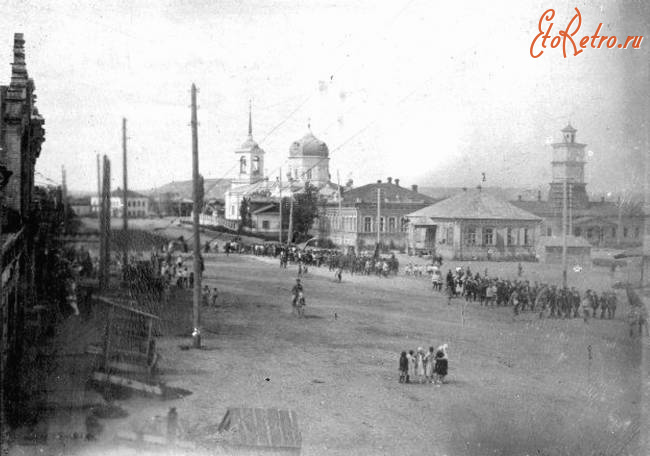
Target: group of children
<point x="424" y="367"/>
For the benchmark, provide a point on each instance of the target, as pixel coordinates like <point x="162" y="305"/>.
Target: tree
<point x="305" y="211"/>
<point x="245" y="218"/>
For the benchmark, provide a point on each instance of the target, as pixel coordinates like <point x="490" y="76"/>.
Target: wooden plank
<point x="128" y="383"/>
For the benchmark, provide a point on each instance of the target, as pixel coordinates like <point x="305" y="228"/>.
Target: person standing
<point x="419" y="365"/>
<point x="411" y="366"/>
<point x="429" y="365"/>
<point x="403" y="368"/>
<point x="442" y="364"/>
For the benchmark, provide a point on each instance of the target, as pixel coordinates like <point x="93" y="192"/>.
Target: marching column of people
<point x="521" y="295"/>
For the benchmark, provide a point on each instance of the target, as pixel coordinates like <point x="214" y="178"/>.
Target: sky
<point x="434" y="93"/>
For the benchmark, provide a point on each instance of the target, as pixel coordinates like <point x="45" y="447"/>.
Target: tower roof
<point x="250" y="143"/>
<point x="309" y="146"/>
<point x="569" y="129"/>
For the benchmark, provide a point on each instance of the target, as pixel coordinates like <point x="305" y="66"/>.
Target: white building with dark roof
<point x="474" y="225"/>
<point x="138" y="205"/>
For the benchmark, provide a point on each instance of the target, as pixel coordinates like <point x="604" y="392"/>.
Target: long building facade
<point x="21" y="136"/>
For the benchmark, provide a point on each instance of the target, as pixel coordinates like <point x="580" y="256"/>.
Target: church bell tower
<point x="250" y="158"/>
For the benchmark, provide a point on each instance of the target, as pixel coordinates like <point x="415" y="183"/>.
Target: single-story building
<point x="474" y="225"/>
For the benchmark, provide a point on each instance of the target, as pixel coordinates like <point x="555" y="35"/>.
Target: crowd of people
<point x="521" y="295"/>
<point x="420" y="367"/>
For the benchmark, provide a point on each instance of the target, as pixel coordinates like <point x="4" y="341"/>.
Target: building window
<point x="450" y="235"/>
<point x="404" y="223"/>
<point x="614" y="232"/>
<point x="637" y="232"/>
<point x="391" y="224"/>
<point x="526" y="237"/>
<point x="590" y="233"/>
<point x="509" y="239"/>
<point x="308" y="174"/>
<point x="367" y="224"/>
<point x="549" y="231"/>
<point x="488" y="236"/>
<point x="255" y="165"/>
<point x="577" y="231"/>
<point x="625" y="231"/>
<point x="242" y="165"/>
<point x="382" y="224"/>
<point x="265" y="224"/>
<point x="470" y="236"/>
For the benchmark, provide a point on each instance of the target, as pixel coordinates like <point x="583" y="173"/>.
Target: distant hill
<point x="213" y="188"/>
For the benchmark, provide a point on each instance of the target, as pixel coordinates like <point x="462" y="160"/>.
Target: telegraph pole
<point x="99" y="190"/>
<point x="280" y="188"/>
<point x="125" y="211"/>
<point x="196" y="320"/>
<point x="105" y="227"/>
<point x="378" y="218"/>
<point x="564" y="234"/>
<point x="338" y="183"/>
<point x="64" y="197"/>
<point x="290" y="233"/>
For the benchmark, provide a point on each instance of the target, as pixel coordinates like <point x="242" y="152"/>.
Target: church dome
<point x="309" y="146"/>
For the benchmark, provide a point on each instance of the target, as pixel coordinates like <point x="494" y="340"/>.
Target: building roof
<point x="309" y="146"/>
<point x="267" y="209"/>
<point x="267" y="428"/>
<point x="390" y="193"/>
<point x="556" y="241"/>
<point x="593" y="210"/>
<point x="80" y="201"/>
<point x="119" y="193"/>
<point x="474" y="205"/>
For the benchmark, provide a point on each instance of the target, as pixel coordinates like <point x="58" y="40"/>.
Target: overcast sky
<point x="434" y="93"/>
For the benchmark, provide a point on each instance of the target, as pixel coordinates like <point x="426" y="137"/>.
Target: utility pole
<point x="290" y="233"/>
<point x="570" y="210"/>
<point x="105" y="227"/>
<point x="64" y="197"/>
<point x="338" y="183"/>
<point x="125" y="211"/>
<point x="196" y="320"/>
<point x="564" y="234"/>
<point x="378" y="218"/>
<point x="280" y="188"/>
<point x="99" y="190"/>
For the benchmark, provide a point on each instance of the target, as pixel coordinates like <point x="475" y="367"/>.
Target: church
<point x="308" y="161"/>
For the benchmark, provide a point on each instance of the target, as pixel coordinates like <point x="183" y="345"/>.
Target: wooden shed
<point x="256" y="431"/>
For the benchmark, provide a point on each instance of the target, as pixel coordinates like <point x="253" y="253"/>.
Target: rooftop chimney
<point x="414" y="187"/>
<point x="379" y="181"/>
<point x="397" y="182"/>
<point x="389" y="180"/>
